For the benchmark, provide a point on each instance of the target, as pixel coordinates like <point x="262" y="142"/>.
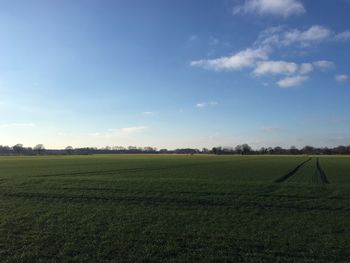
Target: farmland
<point x="175" y="208"/>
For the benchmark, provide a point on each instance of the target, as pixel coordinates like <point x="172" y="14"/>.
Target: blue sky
<point x="194" y="73"/>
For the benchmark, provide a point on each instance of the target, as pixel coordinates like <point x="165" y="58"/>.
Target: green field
<point x="174" y="208"/>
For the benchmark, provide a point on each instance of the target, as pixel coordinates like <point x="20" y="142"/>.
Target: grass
<point x="173" y="208"/>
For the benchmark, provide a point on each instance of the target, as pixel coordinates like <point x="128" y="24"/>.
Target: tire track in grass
<point x="305" y="174"/>
<point x="292" y="172"/>
<point x="315" y="179"/>
<point x="323" y="176"/>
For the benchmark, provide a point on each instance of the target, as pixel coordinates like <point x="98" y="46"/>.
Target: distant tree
<point x="217" y="150"/>
<point x="246" y="149"/>
<point x="186" y="151"/>
<point x="39" y="148"/>
<point x="18" y="148"/>
<point x="269" y="150"/>
<point x="308" y="150"/>
<point x="262" y="150"/>
<point x="5" y="149"/>
<point x="205" y="150"/>
<point x="278" y="150"/>
<point x="132" y="148"/>
<point x="149" y="149"/>
<point x="69" y="149"/>
<point x="327" y="151"/>
<point x="341" y="150"/>
<point x="238" y="149"/>
<point x="243" y="149"/>
<point x="118" y="148"/>
<point x="227" y="150"/>
<point x="293" y="150"/>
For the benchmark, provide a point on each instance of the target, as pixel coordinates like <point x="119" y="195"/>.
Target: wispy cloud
<point x="306" y="68"/>
<point x="275" y="67"/>
<point x="214" y="41"/>
<point x="192" y="38"/>
<point x="149" y="113"/>
<point x="324" y="65"/>
<point x="129" y="130"/>
<point x="341" y="78"/>
<point x="289" y="68"/>
<point x="206" y="104"/>
<point x="313" y="34"/>
<point x="343" y="36"/>
<point x="244" y="59"/>
<point x="283" y="8"/>
<point x="281" y="36"/>
<point x="289" y="82"/>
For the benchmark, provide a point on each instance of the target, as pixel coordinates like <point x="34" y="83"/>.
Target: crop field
<point x="175" y="208"/>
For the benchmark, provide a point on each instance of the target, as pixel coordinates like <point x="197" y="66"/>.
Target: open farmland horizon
<point x="174" y="131"/>
<point x="242" y="149"/>
<point x="174" y="208"/>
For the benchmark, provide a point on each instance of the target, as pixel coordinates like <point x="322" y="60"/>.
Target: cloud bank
<point x="274" y="41"/>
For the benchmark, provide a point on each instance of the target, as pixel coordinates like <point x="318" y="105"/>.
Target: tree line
<point x="243" y="149"/>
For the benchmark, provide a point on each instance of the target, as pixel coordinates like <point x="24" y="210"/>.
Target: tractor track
<point x="318" y="177"/>
<point x="292" y="172"/>
<point x="321" y="172"/>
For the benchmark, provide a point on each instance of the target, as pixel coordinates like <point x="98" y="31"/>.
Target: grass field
<point x="174" y="208"/>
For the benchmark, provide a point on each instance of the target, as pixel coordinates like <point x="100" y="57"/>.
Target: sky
<point x="174" y="74"/>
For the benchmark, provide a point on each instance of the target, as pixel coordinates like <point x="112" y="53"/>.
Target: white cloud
<point x="323" y="65"/>
<point x="312" y="35"/>
<point x="291" y="81"/>
<point x="17" y="125"/>
<point x="341" y="78"/>
<point x="289" y="68"/>
<point x="257" y="57"/>
<point x="275" y="67"/>
<point x="281" y="37"/>
<point x="243" y="59"/>
<point x="271" y="7"/>
<point x="306" y="68"/>
<point x="206" y="104"/>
